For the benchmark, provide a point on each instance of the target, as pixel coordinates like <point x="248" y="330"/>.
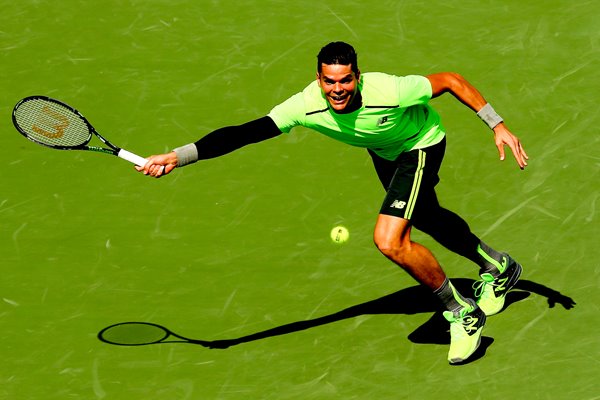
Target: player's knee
<point x="392" y="237"/>
<point x="390" y="247"/>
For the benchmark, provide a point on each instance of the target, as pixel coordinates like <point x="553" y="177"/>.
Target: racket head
<point x="51" y="123"/>
<point x="134" y="334"/>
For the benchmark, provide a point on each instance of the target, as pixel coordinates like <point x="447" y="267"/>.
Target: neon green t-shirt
<point x="394" y="117"/>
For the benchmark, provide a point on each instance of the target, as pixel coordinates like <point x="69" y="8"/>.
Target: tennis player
<point x="391" y="117"/>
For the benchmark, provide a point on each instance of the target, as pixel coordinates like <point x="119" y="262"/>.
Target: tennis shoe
<point x="466" y="326"/>
<point x="491" y="291"/>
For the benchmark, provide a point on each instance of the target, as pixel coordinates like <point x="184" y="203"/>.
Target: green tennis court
<point x="236" y="251"/>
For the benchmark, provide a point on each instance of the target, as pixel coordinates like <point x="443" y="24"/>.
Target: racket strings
<point x="51" y="124"/>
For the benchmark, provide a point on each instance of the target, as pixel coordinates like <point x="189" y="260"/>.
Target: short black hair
<point x="338" y="53"/>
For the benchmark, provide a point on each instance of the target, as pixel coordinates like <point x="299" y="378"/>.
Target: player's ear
<point x="318" y="79"/>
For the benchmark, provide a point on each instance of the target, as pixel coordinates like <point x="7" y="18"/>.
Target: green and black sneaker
<point x="465" y="332"/>
<point x="491" y="291"/>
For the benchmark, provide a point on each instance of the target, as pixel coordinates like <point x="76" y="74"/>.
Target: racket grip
<point x="132" y="158"/>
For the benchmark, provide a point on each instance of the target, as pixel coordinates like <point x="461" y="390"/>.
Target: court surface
<point x="236" y="250"/>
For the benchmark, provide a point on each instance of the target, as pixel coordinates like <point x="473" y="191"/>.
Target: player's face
<point x="340" y="86"/>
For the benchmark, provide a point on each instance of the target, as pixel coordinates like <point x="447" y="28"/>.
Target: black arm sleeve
<point x="225" y="140"/>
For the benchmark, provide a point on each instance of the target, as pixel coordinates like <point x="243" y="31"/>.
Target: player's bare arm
<point x="461" y="89"/>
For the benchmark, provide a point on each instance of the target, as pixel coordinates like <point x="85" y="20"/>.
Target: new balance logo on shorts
<point x="398" y="204"/>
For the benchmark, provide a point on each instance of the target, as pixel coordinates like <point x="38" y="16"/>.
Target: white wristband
<point x="187" y="154"/>
<point x="489" y="116"/>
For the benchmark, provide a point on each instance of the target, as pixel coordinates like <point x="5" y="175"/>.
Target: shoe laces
<point x="461" y="314"/>
<point x="479" y="286"/>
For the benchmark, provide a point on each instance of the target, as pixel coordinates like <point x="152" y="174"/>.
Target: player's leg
<point x="412" y="173"/>
<point x="392" y="238"/>
<point x="453" y="232"/>
<point x="446" y="227"/>
<point x="499" y="272"/>
<point x="404" y="179"/>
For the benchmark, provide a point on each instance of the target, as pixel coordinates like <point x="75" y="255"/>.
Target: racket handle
<point x="135" y="159"/>
<point x="132" y="158"/>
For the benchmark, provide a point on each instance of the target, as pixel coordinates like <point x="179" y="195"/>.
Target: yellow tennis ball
<point x="339" y="234"/>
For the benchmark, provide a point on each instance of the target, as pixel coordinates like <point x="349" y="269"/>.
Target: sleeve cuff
<point x="187" y="154"/>
<point x="489" y="116"/>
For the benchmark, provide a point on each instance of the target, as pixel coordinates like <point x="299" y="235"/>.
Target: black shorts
<point x="412" y="173"/>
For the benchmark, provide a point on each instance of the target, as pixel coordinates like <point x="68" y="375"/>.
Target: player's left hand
<point x="504" y="137"/>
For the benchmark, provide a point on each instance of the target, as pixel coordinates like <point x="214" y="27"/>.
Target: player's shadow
<point x="412" y="300"/>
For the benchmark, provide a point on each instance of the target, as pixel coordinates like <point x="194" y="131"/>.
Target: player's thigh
<point x="414" y="180"/>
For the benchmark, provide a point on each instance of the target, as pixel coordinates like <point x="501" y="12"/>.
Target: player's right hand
<point x="159" y="165"/>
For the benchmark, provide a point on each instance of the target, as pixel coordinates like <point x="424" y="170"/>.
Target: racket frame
<point x="114" y="150"/>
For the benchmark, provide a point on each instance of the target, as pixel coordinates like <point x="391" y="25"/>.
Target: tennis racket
<point x="54" y="124"/>
<point x="143" y="333"/>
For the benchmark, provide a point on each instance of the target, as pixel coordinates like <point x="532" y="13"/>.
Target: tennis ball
<point x="339" y="234"/>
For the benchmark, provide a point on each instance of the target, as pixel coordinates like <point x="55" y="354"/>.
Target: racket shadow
<point x="408" y="301"/>
<point x="142" y="333"/>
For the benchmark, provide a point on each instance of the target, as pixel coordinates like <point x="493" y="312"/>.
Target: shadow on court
<point x="412" y="300"/>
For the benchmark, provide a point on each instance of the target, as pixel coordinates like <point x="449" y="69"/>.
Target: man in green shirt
<point x="391" y="117"/>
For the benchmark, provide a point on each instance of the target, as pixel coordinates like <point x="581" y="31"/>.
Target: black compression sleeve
<point x="230" y="138"/>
